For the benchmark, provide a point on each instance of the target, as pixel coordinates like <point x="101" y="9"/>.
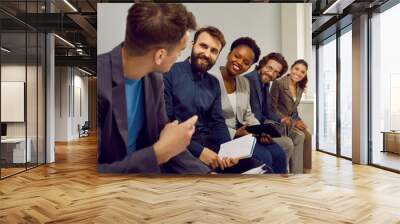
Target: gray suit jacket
<point x="112" y="133"/>
<point x="282" y="102"/>
<point x="243" y="109"/>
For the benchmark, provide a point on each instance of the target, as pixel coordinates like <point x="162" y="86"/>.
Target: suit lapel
<point x="149" y="107"/>
<point x="258" y="87"/>
<point x="118" y="94"/>
<point x="224" y="93"/>
<point x="239" y="100"/>
<point x="286" y="87"/>
<point x="299" y="94"/>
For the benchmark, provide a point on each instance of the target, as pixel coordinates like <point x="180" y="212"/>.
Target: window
<point x="327" y="96"/>
<point x="385" y="85"/>
<point x="346" y="93"/>
<point x="22" y="65"/>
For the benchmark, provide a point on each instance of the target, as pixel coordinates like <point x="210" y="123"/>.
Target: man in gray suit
<point x="133" y="130"/>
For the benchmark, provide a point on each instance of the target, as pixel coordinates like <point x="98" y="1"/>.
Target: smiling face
<point x="205" y="52"/>
<point x="240" y="60"/>
<point x="270" y="71"/>
<point x="298" y="72"/>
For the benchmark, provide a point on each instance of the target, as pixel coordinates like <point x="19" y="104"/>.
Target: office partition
<point x="22" y="77"/>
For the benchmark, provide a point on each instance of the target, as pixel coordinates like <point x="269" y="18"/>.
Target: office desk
<point x="391" y="141"/>
<point x="13" y="150"/>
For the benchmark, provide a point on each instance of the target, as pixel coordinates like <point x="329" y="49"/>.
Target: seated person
<point x="235" y="98"/>
<point x="134" y="135"/>
<point x="286" y="94"/>
<point x="268" y="70"/>
<point x="191" y="90"/>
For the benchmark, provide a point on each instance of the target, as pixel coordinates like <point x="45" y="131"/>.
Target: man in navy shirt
<point x="191" y="90"/>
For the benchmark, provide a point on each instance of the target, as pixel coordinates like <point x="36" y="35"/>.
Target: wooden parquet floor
<point x="71" y="191"/>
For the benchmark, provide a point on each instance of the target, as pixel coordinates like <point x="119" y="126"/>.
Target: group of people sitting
<point x="156" y="115"/>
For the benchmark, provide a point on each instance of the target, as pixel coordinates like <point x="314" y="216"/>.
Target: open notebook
<point x="238" y="148"/>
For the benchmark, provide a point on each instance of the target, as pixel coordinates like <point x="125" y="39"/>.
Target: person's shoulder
<point x="280" y="81"/>
<point x="103" y="68"/>
<point x="155" y="77"/>
<point x="104" y="56"/>
<point x="243" y="83"/>
<point x="251" y="75"/>
<point x="103" y="60"/>
<point x="243" y="80"/>
<point x="176" y="68"/>
<point x="212" y="78"/>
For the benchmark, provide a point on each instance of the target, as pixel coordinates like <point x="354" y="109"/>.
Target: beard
<point x="265" y="78"/>
<point x="198" y="66"/>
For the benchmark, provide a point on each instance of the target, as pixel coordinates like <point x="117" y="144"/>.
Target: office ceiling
<point x="76" y="22"/>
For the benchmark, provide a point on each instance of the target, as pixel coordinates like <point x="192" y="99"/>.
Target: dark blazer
<point x="282" y="101"/>
<point x="256" y="99"/>
<point x="113" y="128"/>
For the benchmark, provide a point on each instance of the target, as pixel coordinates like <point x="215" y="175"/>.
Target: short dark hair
<point x="150" y="25"/>
<point x="303" y="82"/>
<point x="276" y="57"/>
<point x="247" y="41"/>
<point x="214" y="32"/>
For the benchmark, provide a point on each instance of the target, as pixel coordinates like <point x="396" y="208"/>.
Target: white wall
<point x="297" y="39"/>
<point x="261" y="21"/>
<point x="296" y="44"/>
<point x="67" y="115"/>
<point x="33" y="127"/>
<point x="61" y="103"/>
<point x="111" y="23"/>
<point x="14" y="72"/>
<point x="17" y="73"/>
<point x="80" y="84"/>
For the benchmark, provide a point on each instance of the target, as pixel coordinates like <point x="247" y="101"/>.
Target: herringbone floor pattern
<point x="71" y="191"/>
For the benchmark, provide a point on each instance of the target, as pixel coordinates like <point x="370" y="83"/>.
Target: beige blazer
<point x="243" y="109"/>
<point x="282" y="102"/>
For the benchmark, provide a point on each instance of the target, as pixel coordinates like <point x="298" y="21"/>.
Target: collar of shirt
<point x="263" y="85"/>
<point x="132" y="81"/>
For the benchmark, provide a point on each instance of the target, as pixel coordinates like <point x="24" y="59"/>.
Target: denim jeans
<point x="272" y="155"/>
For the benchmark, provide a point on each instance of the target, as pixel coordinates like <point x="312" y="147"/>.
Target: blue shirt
<point x="188" y="94"/>
<point x="135" y="110"/>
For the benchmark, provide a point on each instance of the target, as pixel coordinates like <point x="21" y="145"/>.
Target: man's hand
<point x="300" y="125"/>
<point x="265" y="139"/>
<point x="210" y="158"/>
<point x="174" y="139"/>
<point x="287" y="121"/>
<point x="228" y="162"/>
<point x="241" y="131"/>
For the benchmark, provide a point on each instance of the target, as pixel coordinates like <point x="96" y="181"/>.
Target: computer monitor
<point x="3" y="129"/>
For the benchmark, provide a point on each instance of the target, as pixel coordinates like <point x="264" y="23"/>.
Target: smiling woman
<point x="286" y="94"/>
<point x="235" y="100"/>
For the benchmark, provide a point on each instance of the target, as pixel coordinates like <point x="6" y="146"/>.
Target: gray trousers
<point x="287" y="146"/>
<point x="296" y="162"/>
